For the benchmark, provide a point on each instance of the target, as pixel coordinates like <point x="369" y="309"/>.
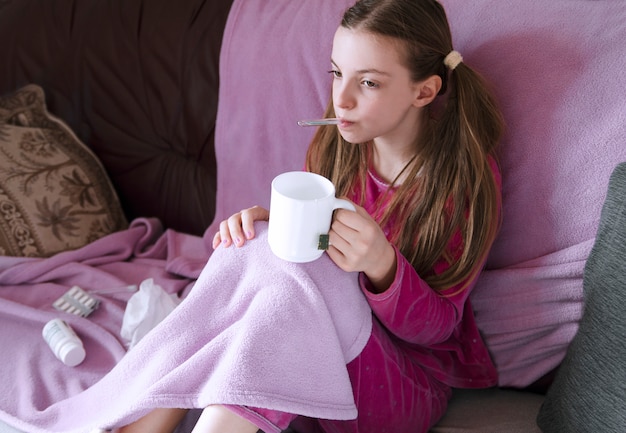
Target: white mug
<point x="301" y="210"/>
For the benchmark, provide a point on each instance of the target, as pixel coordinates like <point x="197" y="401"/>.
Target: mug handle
<point x="343" y="204"/>
<point x="323" y="242"/>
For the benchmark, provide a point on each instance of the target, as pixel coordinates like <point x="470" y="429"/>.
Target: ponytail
<point x="468" y="131"/>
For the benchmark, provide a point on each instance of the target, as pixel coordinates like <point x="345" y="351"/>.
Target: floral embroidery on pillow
<point x="54" y="193"/>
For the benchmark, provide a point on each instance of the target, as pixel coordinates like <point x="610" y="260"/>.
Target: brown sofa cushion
<point x="137" y="81"/>
<point x="490" y="411"/>
<point x="54" y="193"/>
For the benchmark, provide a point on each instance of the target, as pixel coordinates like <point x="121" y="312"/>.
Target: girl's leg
<point x="162" y="420"/>
<point x="218" y="419"/>
<point x="392" y="394"/>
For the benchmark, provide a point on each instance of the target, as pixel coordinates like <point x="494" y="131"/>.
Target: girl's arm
<point x="412" y="310"/>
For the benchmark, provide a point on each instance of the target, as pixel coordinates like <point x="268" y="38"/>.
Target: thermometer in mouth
<point x="319" y="122"/>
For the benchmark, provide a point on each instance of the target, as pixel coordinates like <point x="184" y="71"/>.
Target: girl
<point x="415" y="152"/>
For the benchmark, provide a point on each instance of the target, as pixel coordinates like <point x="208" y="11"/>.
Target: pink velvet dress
<point x="422" y="344"/>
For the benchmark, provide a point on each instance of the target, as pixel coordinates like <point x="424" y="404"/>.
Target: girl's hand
<point x="239" y="227"/>
<point x="358" y="244"/>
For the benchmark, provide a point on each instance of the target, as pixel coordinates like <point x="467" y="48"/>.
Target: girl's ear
<point x="427" y="90"/>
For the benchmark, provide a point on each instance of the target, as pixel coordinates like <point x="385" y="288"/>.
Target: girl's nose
<point x="343" y="96"/>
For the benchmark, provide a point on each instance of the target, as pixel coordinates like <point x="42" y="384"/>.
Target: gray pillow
<point x="589" y="391"/>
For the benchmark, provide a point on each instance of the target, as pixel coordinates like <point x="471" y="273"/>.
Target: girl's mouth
<point x="343" y="123"/>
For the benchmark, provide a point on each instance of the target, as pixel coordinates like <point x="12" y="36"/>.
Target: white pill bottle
<point x="64" y="342"/>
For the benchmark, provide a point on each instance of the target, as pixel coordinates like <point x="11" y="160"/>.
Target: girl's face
<point x="373" y="93"/>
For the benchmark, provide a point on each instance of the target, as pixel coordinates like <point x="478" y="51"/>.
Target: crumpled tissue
<point x="145" y="309"/>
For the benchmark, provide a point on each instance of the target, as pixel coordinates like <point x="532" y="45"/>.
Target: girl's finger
<point x="217" y="240"/>
<point x="234" y="227"/>
<point x="247" y="223"/>
<point x="249" y="216"/>
<point x="225" y="234"/>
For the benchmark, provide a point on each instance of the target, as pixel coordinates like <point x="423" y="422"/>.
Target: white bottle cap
<point x="72" y="354"/>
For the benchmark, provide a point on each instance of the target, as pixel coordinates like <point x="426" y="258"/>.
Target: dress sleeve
<point x="413" y="311"/>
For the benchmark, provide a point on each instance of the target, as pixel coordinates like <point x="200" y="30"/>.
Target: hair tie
<point x="452" y="60"/>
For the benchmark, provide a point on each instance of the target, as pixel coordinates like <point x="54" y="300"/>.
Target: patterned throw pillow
<point x="55" y="194"/>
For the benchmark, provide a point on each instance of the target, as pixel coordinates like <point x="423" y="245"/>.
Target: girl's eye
<point x="335" y="73"/>
<point x="370" y="84"/>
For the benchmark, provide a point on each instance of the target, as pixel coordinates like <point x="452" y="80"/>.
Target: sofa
<point x="170" y="116"/>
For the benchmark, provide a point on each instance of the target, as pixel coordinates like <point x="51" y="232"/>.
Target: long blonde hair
<point x="449" y="184"/>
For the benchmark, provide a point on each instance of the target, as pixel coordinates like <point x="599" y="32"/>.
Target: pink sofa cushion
<point x="557" y="71"/>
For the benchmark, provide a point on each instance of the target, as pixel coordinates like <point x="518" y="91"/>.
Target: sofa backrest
<point x="558" y="72"/>
<point x="137" y="82"/>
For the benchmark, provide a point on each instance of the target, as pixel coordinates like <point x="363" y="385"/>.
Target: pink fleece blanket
<point x="254" y="330"/>
<point x="32" y="378"/>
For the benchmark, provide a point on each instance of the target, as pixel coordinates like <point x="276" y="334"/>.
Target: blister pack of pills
<point x="76" y="301"/>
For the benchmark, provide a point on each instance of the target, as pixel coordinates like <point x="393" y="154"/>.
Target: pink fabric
<point x="254" y="330"/>
<point x="557" y="70"/>
<point x="438" y="332"/>
<point x="267" y="84"/>
<point x="33" y="380"/>
<point x="392" y="394"/>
